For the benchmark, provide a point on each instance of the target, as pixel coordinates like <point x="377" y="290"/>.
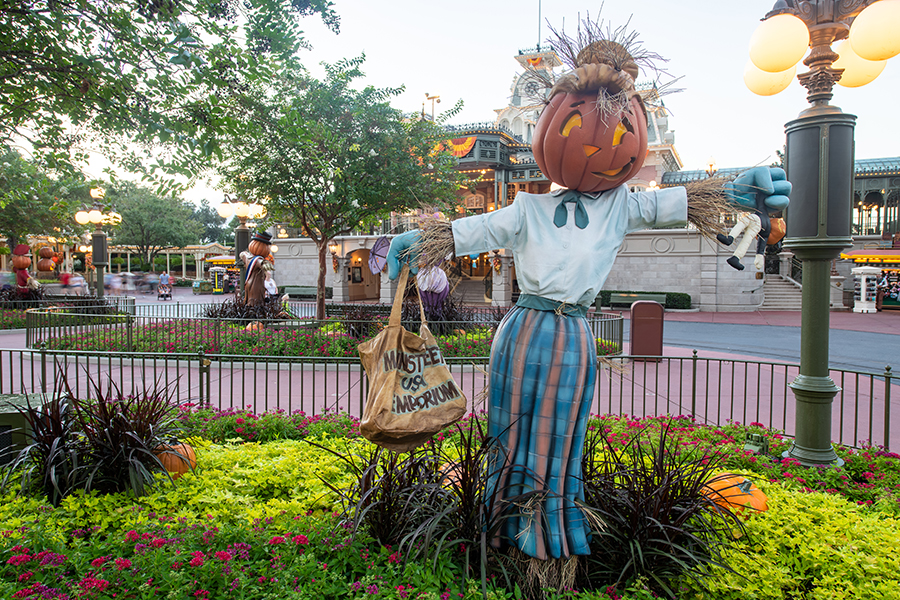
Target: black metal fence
<point x="64" y="330"/>
<point x="712" y="390"/>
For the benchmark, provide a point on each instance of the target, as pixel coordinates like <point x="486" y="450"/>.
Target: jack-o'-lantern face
<point x="579" y="148"/>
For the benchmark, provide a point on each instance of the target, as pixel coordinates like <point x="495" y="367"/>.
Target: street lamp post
<point x="242" y="211"/>
<point x="433" y="99"/>
<point x="819" y="163"/>
<point x="99" y="250"/>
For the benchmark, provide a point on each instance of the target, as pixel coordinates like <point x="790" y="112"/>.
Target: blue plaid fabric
<point x="542" y="375"/>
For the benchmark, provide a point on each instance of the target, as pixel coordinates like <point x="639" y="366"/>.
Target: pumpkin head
<point x="21" y="262"/>
<point x="736" y="493"/>
<point x="46" y="252"/>
<point x="45" y="264"/>
<point x="592" y="135"/>
<point x="260" y="244"/>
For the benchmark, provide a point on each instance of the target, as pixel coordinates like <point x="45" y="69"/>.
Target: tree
<point x="145" y="71"/>
<point x="32" y="202"/>
<point x="328" y="158"/>
<point x="151" y="222"/>
<point x="213" y="228"/>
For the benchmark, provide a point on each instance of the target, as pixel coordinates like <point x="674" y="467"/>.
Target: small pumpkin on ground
<point x="736" y="493"/>
<point x="177" y="459"/>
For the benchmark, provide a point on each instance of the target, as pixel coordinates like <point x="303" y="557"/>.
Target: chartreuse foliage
<point x="811" y="545"/>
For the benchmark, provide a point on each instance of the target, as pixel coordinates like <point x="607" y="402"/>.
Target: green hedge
<point x="675" y="300"/>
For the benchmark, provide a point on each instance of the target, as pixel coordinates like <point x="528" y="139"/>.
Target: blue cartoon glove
<point x="399" y="252"/>
<point x="758" y="187"/>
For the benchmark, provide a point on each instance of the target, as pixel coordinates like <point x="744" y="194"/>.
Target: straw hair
<point x="435" y="242"/>
<point x="707" y="203"/>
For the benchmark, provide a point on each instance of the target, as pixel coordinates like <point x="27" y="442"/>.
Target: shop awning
<point x="880" y="256"/>
<point x="220" y="260"/>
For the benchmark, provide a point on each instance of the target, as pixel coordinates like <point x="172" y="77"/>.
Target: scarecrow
<point x="256" y="259"/>
<point x="759" y="192"/>
<point x="21" y="261"/>
<point x="591" y="139"/>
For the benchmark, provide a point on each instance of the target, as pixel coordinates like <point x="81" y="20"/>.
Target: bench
<point x="617" y="299"/>
<point x="300" y="291"/>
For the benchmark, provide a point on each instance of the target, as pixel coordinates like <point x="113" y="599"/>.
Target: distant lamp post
<point x="711" y="168"/>
<point x="99" y="217"/>
<point x="433" y="99"/>
<point x="819" y="163"/>
<point x="335" y="248"/>
<point x="243" y="212"/>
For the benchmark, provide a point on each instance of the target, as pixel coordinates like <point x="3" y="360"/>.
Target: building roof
<point x="874" y="255"/>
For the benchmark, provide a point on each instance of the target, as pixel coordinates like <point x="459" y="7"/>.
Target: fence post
<point x="129" y="324"/>
<point x="44" y="367"/>
<point x="887" y="407"/>
<point x="694" y="384"/>
<point x="204" y="379"/>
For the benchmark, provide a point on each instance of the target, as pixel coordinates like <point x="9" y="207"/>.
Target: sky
<point x="464" y="50"/>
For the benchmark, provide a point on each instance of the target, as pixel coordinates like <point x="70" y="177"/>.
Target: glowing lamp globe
<point x="857" y="71"/>
<point x="81" y="217"/>
<point x="873" y="34"/>
<point x="779" y="43"/>
<point x="225" y="210"/>
<point x="762" y="83"/>
<point x="241" y="210"/>
<point x="95" y="216"/>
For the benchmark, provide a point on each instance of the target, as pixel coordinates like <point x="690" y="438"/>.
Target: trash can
<point x="647" y="329"/>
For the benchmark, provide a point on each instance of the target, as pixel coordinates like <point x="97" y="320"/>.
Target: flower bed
<point x="329" y="340"/>
<point x="12" y="318"/>
<point x="258" y="520"/>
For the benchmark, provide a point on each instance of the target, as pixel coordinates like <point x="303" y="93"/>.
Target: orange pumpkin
<point x="579" y="147"/>
<point x="45" y="264"/>
<point x="46" y="252"/>
<point x="254" y="326"/>
<point x="778" y="231"/>
<point x="21" y="262"/>
<point x="736" y="493"/>
<point x="177" y="459"/>
<point x="258" y="248"/>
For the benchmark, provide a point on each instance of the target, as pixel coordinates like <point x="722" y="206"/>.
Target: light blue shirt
<point x="568" y="264"/>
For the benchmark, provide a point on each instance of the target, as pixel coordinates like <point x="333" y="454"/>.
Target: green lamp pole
<point x="820" y="165"/>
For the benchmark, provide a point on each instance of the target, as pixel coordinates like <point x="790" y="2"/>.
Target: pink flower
<point x="122" y="564"/>
<point x="223" y="556"/>
<point x="239" y="421"/>
<point x="278" y="539"/>
<point x="300" y="540"/>
<point x="197" y="561"/>
<point x="132" y="536"/>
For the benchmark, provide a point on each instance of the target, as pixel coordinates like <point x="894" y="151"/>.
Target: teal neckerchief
<point x="562" y="215"/>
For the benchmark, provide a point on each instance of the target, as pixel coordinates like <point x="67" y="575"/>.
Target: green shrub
<point x="674" y="300"/>
<point x="811" y="545"/>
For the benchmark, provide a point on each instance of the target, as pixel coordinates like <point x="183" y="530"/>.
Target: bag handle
<point x="398" y="300"/>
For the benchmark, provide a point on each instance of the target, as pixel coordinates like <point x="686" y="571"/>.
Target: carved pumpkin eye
<point x="573" y="121"/>
<point x="621" y="129"/>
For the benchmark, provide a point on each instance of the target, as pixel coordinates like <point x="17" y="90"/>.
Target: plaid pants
<point x="542" y="374"/>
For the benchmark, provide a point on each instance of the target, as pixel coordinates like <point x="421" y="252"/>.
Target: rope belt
<point x="562" y="309"/>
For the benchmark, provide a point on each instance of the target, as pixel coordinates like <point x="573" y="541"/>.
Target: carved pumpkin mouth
<point x="613" y="173"/>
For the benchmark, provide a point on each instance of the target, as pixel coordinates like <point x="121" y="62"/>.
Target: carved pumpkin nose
<point x="590" y="150"/>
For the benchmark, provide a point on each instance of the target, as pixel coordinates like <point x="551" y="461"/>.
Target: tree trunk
<point x="321" y="245"/>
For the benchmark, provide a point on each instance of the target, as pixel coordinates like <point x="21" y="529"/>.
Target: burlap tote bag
<point x="412" y="395"/>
